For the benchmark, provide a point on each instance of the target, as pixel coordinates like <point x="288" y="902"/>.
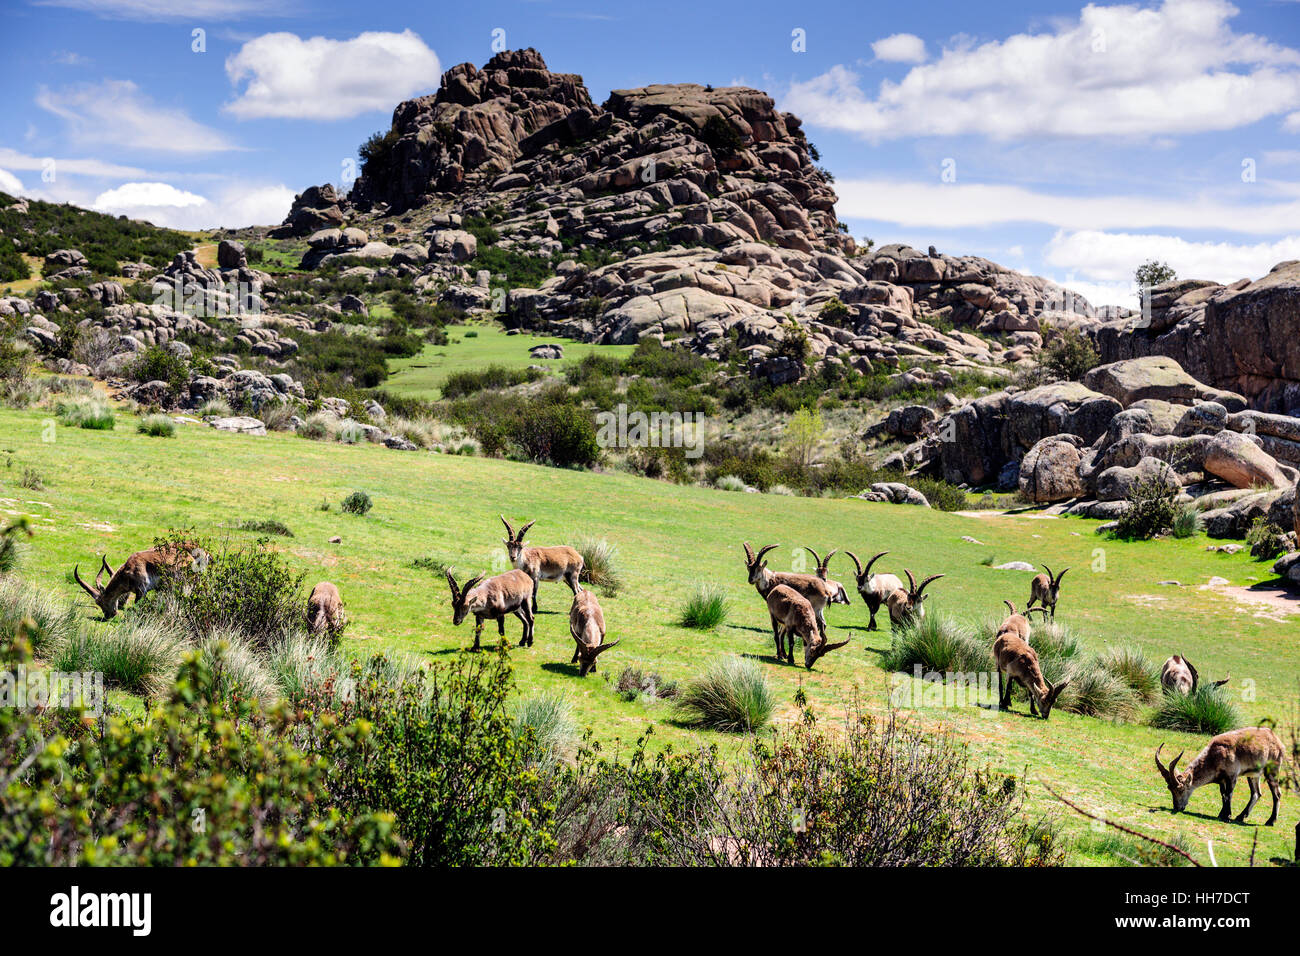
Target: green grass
<point x="1207" y="710"/>
<point x="732" y="696"/>
<point x="443" y="508"/>
<point x="421" y="376"/>
<point x="706" y="609"/>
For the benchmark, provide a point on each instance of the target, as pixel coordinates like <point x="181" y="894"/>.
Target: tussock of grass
<point x="1207" y="710"/>
<point x="733" y="695"/>
<point x="50" y="621"/>
<point x="937" y="642"/>
<point x="729" y="483"/>
<point x="85" y="412"/>
<point x="157" y="426"/>
<point x="1131" y="666"/>
<point x="1096" y="692"/>
<point x="306" y="668"/>
<point x="138" y="653"/>
<point x="599" y="565"/>
<point x="267" y="526"/>
<point x="242" y="676"/>
<point x="1120" y="850"/>
<point x="549" y="718"/>
<point x="707" y="608"/>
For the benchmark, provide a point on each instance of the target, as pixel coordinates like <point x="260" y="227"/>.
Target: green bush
<point x="357" y="503"/>
<point x="732" y="695"/>
<point x="707" y="608"/>
<point x="1266" y="540"/>
<point x="599" y="564"/>
<point x="548" y="719"/>
<point x="1069" y="355"/>
<point x="559" y="434"/>
<point x="939" y="643"/>
<point x="460" y="384"/>
<point x="157" y="364"/>
<point x="267" y="526"/>
<point x="85" y="412"/>
<point x="159" y="426"/>
<point x="1151" y="512"/>
<point x="1206" y="710"/>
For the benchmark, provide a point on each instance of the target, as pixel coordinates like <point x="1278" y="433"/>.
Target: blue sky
<point x="1067" y="140"/>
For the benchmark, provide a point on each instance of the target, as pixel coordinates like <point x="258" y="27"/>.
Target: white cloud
<point x="9" y="183"/>
<point x="325" y="79"/>
<point x="1292" y="123"/>
<point x="900" y="48"/>
<point x="958" y="205"/>
<point x="165" y="205"/>
<point x="13" y="159"/>
<point x="169" y="9"/>
<point x="1112" y="256"/>
<point x="1116" y="71"/>
<point x="117" y="113"/>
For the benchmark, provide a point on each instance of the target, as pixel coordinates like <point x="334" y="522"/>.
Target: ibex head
<point x="755" y="564"/>
<point x="460" y="595"/>
<point x="1047" y="700"/>
<point x="1053" y="583"/>
<point x="863" y="574"/>
<point x="514" y="541"/>
<point x="587" y="655"/>
<point x="916" y="593"/>
<point x="1179" y="784"/>
<point x="107" y="603"/>
<point x="815" y="646"/>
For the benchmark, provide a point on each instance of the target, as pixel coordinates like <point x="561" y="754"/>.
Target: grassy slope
<point x="421" y="376"/>
<point x="669" y="538"/>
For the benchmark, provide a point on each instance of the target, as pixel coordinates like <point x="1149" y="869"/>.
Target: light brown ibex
<point x="1178" y="676"/>
<point x="139" y="574"/>
<point x="908" y="604"/>
<point x="558" y="563"/>
<point x="492" y="599"/>
<point x="1247" y="752"/>
<point x="792" y="616"/>
<point x="840" y="596"/>
<point x="874" y="588"/>
<point x="587" y="625"/>
<point x="1046" y="590"/>
<point x="1019" y="663"/>
<point x="813" y="589"/>
<point x="325" y="612"/>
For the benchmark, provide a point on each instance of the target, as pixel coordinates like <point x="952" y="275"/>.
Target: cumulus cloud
<point x="118" y="113"/>
<point x="1112" y="256"/>
<point x="9" y="183"/>
<point x="900" y="48"/>
<point x="165" y="205"/>
<point x="318" y="78"/>
<point x="1116" y="71"/>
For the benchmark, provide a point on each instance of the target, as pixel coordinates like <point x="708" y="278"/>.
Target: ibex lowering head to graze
<point x="1178" y="676"/>
<point x="559" y="563"/>
<point x="810" y="587"/>
<point x="874" y="588"/>
<point x="493" y="599"/>
<point x="139" y="574"/>
<point x="325" y="613"/>
<point x="1045" y="589"/>
<point x="838" y="594"/>
<point x="587" y="625"/>
<point x="1019" y="662"/>
<point x="1249" y="751"/>
<point x="792" y="616"/>
<point x="908" y="604"/>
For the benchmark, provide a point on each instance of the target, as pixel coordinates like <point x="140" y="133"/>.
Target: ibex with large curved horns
<point x="908" y="604"/>
<point x="1247" y="752"/>
<point x="558" y="563"/>
<point x="874" y="588"/>
<point x="1178" y="676"/>
<point x="492" y="599"/>
<point x="587" y="626"/>
<point x="816" y="591"/>
<point x="139" y="574"/>
<point x="841" y="596"/>
<point x="1045" y="589"/>
<point x="1019" y="662"/>
<point x="792" y="616"/>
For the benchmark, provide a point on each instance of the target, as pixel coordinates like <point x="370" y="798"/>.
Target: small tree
<point x="1070" y="354"/>
<point x="804" y="430"/>
<point x="1153" y="272"/>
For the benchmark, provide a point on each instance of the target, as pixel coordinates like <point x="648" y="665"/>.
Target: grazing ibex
<point x="841" y="596"/>
<point x="908" y="604"/>
<point x="810" y="587"/>
<point x="1019" y="662"/>
<point x="139" y="574"/>
<point x="1045" y="589"/>
<point x="325" y="609"/>
<point x="587" y="625"/>
<point x="792" y="616"/>
<point x="874" y="588"/>
<point x="1249" y="751"/>
<point x="492" y="600"/>
<point x="559" y="563"/>
<point x="1178" y="676"/>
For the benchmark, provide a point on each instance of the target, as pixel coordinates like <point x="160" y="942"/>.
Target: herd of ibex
<point x="796" y="604"/>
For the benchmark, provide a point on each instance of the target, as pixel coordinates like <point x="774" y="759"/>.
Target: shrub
<point x="85" y="412"/>
<point x="633" y="683"/>
<point x="467" y="382"/>
<point x="158" y="364"/>
<point x="1187" y="522"/>
<point x="707" y="608"/>
<point x="937" y="642"/>
<point x="561" y="434"/>
<point x="215" y="408"/>
<point x="1153" y="272"/>
<point x="729" y="483"/>
<point x="1069" y="355"/>
<point x="599" y="567"/>
<point x="32" y="480"/>
<point x="1207" y="710"/>
<point x="159" y="426"/>
<point x="268" y="526"/>
<point x="548" y="719"/>
<point x="1131" y="666"/>
<point x="732" y="695"/>
<point x="1266" y="539"/>
<point x="1152" y="509"/>
<point x="357" y="503"/>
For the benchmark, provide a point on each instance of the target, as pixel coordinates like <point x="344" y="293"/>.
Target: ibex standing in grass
<point x="587" y="625"/>
<point x="1247" y="752"/>
<point x="493" y="599"/>
<point x="1178" y="676"/>
<point x="139" y="574"/>
<point x="1019" y="662"/>
<point x="325" y="613"/>
<point x="874" y="588"/>
<point x="908" y="604"/>
<point x="841" y="596"/>
<point x="792" y="616"/>
<point x="559" y="563"/>
<point x="1045" y="589"/>
<point x="810" y="587"/>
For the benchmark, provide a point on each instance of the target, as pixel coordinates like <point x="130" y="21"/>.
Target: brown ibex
<point x="1046" y="590"/>
<point x="1019" y="662"/>
<point x="1247" y="752"/>
<point x="813" y="589"/>
<point x="139" y="574"/>
<point x="792" y="616"/>
<point x="558" y="563"/>
<point x="841" y="596"/>
<point x="325" y="612"/>
<point x="587" y="625"/>
<point x="908" y="604"/>
<point x="492" y="600"/>
<point x="874" y="588"/>
<point x="1178" y="676"/>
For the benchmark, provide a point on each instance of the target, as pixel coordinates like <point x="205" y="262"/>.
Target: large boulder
<point x="1240" y="462"/>
<point x="453" y="244"/>
<point x="242" y="425"/>
<point x="1050" y="470"/>
<point x="1063" y="407"/>
<point x="231" y="254"/>
<point x="1155" y="376"/>
<point x="1116" y="483"/>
